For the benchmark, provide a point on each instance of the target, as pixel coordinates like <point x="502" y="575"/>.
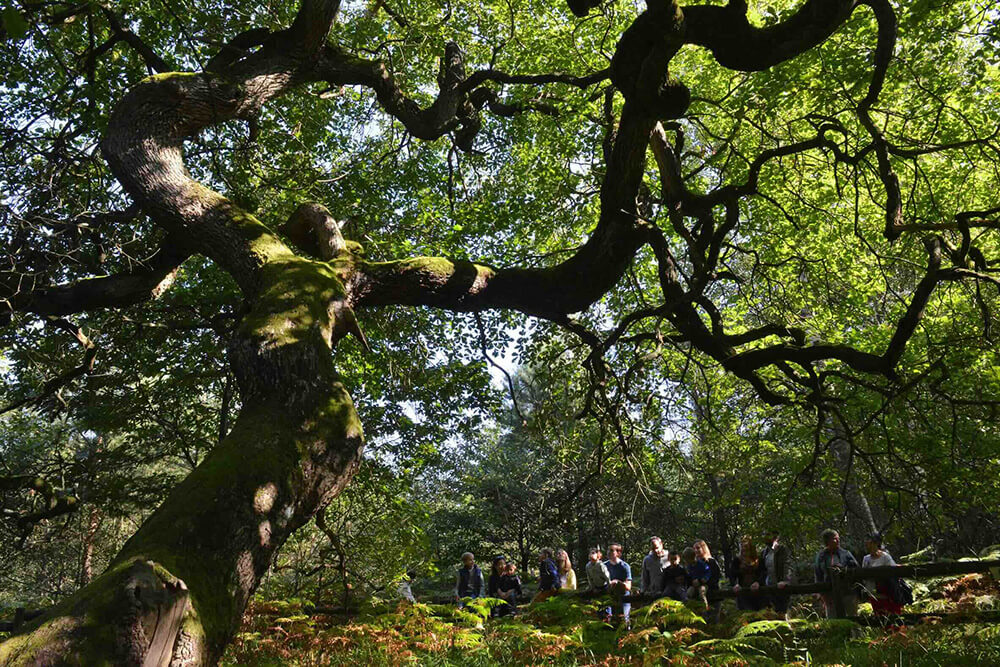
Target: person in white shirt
<point x="403" y="590"/>
<point x="880" y="591"/>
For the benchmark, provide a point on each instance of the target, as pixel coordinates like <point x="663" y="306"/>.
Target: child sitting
<point x="597" y="572"/>
<point x="508" y="590"/>
<point x="510" y="584"/>
<point x="675" y="581"/>
<point x="698" y="572"/>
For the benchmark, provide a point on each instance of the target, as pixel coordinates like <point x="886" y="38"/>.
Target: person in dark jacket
<point x="493" y="586"/>
<point x="675" y="583"/>
<point x="468" y="579"/>
<point x="508" y="589"/>
<point x="832" y="559"/>
<point x="510" y="585"/>
<point x="776" y="569"/>
<point x="496" y="573"/>
<point x="744" y="574"/>
<point x="711" y="573"/>
<point x="548" y="576"/>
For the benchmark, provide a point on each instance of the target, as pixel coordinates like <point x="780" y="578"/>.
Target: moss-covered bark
<point x="294" y="445"/>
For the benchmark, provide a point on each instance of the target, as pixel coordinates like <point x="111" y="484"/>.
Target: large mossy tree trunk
<point x="176" y="592"/>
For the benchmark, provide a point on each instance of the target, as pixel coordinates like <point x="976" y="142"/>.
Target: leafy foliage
<point x="565" y="630"/>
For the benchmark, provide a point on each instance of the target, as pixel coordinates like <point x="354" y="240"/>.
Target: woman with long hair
<point x="567" y="577"/>
<point x="706" y="573"/>
<point x="745" y="573"/>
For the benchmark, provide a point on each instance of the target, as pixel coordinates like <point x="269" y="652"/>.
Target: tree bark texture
<point x="87" y="555"/>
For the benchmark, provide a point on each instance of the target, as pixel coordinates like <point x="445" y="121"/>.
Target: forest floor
<point x="566" y="630"/>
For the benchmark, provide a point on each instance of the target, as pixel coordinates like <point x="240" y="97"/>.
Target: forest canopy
<point x="577" y="270"/>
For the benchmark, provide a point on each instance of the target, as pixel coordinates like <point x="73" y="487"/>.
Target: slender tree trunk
<point x="522" y="546"/>
<point x="722" y="524"/>
<point x="859" y="513"/>
<point x="227" y="400"/>
<point x="87" y="555"/>
<point x="338" y="546"/>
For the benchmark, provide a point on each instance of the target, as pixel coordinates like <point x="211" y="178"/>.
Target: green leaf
<point x="13" y="23"/>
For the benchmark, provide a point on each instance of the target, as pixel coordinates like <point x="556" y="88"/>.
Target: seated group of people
<point x="555" y="573"/>
<point x="504" y="583"/>
<point x="690" y="574"/>
<point x="663" y="574"/>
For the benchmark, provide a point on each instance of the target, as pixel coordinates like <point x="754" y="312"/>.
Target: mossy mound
<point x="667" y="614"/>
<point x="563" y="611"/>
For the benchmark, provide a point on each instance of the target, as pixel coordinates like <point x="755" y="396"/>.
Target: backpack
<point x="902" y="592"/>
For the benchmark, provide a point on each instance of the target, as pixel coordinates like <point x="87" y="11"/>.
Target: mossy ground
<point x="566" y="630"/>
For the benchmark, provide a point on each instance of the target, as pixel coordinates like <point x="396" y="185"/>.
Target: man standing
<point x="469" y="579"/>
<point x="621" y="583"/>
<point x="831" y="560"/>
<point x="775" y="569"/>
<point x="653" y="565"/>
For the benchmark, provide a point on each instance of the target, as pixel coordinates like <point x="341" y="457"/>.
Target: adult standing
<point x="653" y="565"/>
<point x="776" y="569"/>
<point x="834" y="559"/>
<point x="548" y="576"/>
<point x="469" y="579"/>
<point x="880" y="592"/>
<point x="621" y="583"/>
<point x="746" y="573"/>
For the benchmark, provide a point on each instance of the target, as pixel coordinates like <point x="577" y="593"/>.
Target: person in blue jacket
<point x="548" y="576"/>
<point x="834" y="558"/>
<point x="706" y="575"/>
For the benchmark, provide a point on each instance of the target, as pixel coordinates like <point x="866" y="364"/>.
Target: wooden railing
<point x="840" y="585"/>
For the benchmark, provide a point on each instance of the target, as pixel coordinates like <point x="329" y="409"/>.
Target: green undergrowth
<point x="568" y="630"/>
